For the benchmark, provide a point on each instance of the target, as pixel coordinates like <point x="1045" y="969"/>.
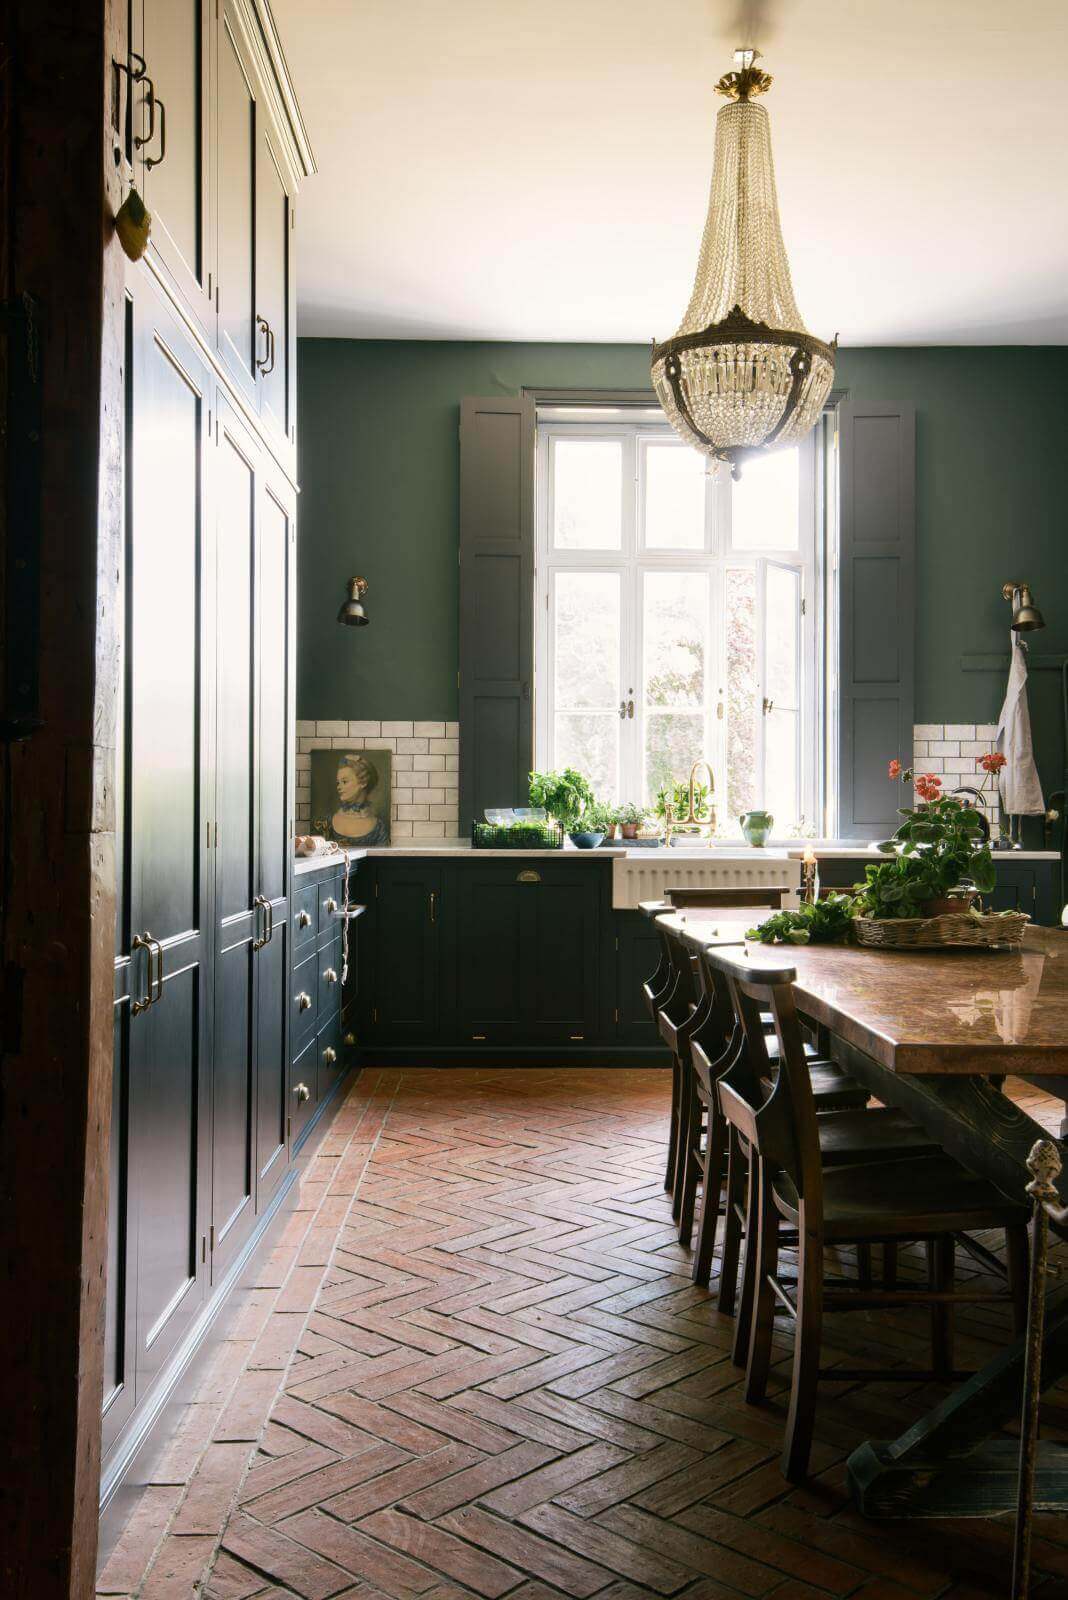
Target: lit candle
<point x="811" y="874"/>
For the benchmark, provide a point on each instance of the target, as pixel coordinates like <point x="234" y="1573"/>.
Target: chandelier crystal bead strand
<point x="742" y="375"/>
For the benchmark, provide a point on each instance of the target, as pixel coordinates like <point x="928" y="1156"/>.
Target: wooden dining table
<point x="935" y="1033"/>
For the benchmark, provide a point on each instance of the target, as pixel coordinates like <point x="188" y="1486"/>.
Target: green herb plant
<point x="598" y="818"/>
<point x="825" y="921"/>
<point x="939" y="847"/>
<point x="629" y="814"/>
<point x="564" y="795"/>
<point x="678" y="797"/>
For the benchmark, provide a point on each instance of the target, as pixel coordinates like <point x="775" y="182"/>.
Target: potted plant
<point x="630" y="818"/>
<point x="598" y="824"/>
<point x="565" y="796"/>
<point x="938" y="860"/>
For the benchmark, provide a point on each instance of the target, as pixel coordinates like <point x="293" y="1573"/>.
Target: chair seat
<point x="835" y="1090"/>
<point x="905" y="1200"/>
<point x="879" y="1134"/>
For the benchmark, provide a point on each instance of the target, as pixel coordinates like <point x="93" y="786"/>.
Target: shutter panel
<point x="876" y="587"/>
<point x="496" y="602"/>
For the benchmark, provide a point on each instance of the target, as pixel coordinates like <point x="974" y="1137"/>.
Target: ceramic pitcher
<point x="756" y="825"/>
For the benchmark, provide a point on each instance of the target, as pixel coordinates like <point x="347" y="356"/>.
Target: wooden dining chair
<point x="920" y="1199"/>
<point x="727" y="896"/>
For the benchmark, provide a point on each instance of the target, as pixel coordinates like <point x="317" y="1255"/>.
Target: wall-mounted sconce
<point x="1025" y="614"/>
<point x="352" y="613"/>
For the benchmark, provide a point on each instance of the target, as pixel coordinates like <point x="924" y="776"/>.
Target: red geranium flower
<point x="928" y="786"/>
<point x="894" y="769"/>
<point x="993" y="761"/>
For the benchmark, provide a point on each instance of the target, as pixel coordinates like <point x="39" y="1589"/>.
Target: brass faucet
<point x="711" y="791"/>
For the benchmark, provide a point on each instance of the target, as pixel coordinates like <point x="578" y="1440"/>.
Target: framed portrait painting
<point x="350" y="795"/>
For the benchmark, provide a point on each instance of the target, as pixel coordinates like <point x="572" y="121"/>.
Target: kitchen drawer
<point x="302" y="1090"/>
<point x="305" y="916"/>
<point x="304" y="1000"/>
<point x="329" y="1056"/>
<point x="328" y="958"/>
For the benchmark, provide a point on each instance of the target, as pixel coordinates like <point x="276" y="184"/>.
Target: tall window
<point x="675" y="619"/>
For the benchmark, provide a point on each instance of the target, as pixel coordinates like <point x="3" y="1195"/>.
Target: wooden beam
<point x="57" y="920"/>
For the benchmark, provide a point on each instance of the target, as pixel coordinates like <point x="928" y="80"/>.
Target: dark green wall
<point x="378" y="431"/>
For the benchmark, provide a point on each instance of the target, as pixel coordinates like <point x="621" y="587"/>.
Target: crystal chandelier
<point x="742" y="374"/>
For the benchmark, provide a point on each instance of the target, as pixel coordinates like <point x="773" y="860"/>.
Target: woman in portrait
<point x="355" y="821"/>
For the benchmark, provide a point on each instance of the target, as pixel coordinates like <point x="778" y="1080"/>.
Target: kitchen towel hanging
<point x="1021" y="792"/>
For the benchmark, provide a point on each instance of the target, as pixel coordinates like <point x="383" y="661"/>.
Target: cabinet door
<point x="166" y="790"/>
<point x="236" y="186"/>
<point x="273" y="313"/>
<point x="487" y="909"/>
<point x="637" y="955"/>
<point x="237" y="921"/>
<point x="274" y="727"/>
<point x="173" y="123"/>
<point x="561" y="940"/>
<point x="406" y="957"/>
<point x="1015" y="889"/>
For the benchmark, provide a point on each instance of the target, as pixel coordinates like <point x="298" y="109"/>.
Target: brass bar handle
<point x="154" y="161"/>
<point x="260" y="904"/>
<point x="159" y="968"/>
<point x="143" y="139"/>
<point x="265" y="328"/>
<point x="270" y="350"/>
<point x="630" y="710"/>
<point x="142" y="941"/>
<point x="268" y="909"/>
<point x="433" y="906"/>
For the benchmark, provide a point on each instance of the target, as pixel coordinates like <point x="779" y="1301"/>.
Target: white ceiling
<point x="539" y="169"/>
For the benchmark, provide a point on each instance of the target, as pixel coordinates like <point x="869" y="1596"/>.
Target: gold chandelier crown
<point x="742" y="374"/>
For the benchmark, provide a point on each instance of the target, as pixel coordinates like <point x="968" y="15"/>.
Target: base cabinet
<point x="523" y="956"/>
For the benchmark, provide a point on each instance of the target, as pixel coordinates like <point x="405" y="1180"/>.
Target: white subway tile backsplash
<point x="986" y="730"/>
<point x="960" y="730"/>
<point x="919" y="749"/>
<point x="975" y="747"/>
<point x="933" y="764"/>
<point x="944" y="747"/>
<point x="960" y="764"/>
<point x="928" y="730"/>
<point x="425" y="797"/>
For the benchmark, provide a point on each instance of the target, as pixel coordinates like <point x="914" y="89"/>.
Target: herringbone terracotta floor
<point x="504" y="1384"/>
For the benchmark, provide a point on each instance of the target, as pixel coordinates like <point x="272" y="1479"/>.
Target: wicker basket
<point x="932" y="933"/>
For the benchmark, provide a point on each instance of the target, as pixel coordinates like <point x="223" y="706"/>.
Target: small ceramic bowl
<point x="586" y="841"/>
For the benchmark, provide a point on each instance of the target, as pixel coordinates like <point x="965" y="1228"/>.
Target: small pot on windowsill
<point x="949" y="905"/>
<point x="629" y="830"/>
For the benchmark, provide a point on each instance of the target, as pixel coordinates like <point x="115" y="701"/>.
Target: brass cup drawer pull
<point x="330" y="1055"/>
<point x="304" y="1001"/>
<point x="330" y="906"/>
<point x="528" y="875"/>
<point x="303" y="919"/>
<point x="302" y="1092"/>
<point x="329" y="976"/>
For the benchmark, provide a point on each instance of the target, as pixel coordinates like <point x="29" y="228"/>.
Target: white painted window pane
<point x="589" y="742"/>
<point x="673" y="742"/>
<point x="587" y="628"/>
<point x="587" y="494"/>
<point x="675" y="626"/>
<point x="780" y="770"/>
<point x="674" y="498"/>
<point x="781" y="622"/>
<point x="743" y="700"/>
<point x="766" y="503"/>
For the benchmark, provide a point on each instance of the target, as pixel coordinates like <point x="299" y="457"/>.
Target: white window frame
<point x="632" y="561"/>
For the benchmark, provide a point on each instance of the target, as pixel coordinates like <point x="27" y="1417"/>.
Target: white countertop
<point x="426" y="848"/>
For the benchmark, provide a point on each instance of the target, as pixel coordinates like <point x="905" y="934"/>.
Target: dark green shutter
<point x="496" y="603"/>
<point x="876" y="586"/>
